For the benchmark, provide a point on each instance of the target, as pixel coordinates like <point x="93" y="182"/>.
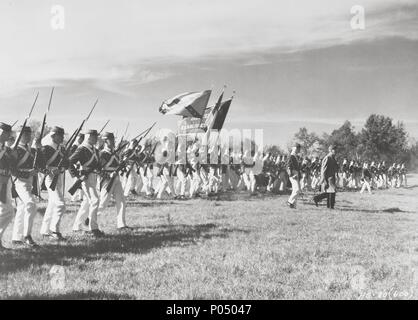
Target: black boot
<point x="332" y="200"/>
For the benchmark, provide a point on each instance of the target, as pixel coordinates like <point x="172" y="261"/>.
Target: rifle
<point x="101" y="130"/>
<point x="35" y="187"/>
<point x="68" y="146"/>
<point x="123" y="164"/>
<point x="150" y="154"/>
<point x="14" y="192"/>
<point x="123" y="136"/>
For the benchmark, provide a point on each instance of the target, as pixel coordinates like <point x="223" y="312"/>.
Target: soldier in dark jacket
<point x="7" y="163"/>
<point x="293" y="169"/>
<point x="53" y="152"/>
<point x="84" y="165"/>
<point x="329" y="173"/>
<point x="26" y="170"/>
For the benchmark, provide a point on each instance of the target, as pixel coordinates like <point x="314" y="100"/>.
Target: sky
<point x="292" y="63"/>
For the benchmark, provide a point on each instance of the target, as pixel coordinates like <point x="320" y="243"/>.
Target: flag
<point x="218" y="119"/>
<point x="211" y="113"/>
<point x="220" y="116"/>
<point x="189" y="104"/>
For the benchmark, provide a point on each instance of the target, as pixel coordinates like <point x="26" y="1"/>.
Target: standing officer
<point x="109" y="163"/>
<point x="293" y="169"/>
<point x="53" y="152"/>
<point x="26" y="206"/>
<point x="329" y="173"/>
<point x="87" y="156"/>
<point x="6" y="165"/>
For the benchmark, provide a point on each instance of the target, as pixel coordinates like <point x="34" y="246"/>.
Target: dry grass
<point x="239" y="247"/>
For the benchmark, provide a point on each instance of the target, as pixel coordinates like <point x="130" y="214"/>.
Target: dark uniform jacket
<point x="54" y="156"/>
<point x="329" y="170"/>
<point x="293" y="165"/>
<point x="25" y="161"/>
<point x="7" y="162"/>
<point x="88" y="157"/>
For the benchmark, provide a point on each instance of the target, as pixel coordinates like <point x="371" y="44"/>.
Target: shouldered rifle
<point x="14" y="193"/>
<point x="128" y="157"/>
<point x="105" y="125"/>
<point x="35" y="186"/>
<point x="68" y="146"/>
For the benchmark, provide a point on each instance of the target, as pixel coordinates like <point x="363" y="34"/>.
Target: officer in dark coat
<point x="329" y="172"/>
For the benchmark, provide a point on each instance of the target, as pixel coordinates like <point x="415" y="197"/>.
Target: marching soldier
<point x="6" y="165"/>
<point x="87" y="157"/>
<point x="366" y="178"/>
<point x="293" y="170"/>
<point x="25" y="172"/>
<point x="78" y="195"/>
<point x="403" y="173"/>
<point x="53" y="152"/>
<point x="109" y="163"/>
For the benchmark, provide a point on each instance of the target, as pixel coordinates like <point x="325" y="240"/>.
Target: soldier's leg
<point x="295" y="190"/>
<point x="82" y="211"/>
<point x="120" y="204"/>
<point x="6" y="210"/>
<point x="161" y="187"/>
<point x="58" y="208"/>
<point x="27" y="205"/>
<point x="105" y="197"/>
<point x="91" y="186"/>
<point x="46" y="221"/>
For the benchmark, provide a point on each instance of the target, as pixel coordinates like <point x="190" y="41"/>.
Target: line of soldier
<point x="21" y="164"/>
<point x="104" y="174"/>
<point x="352" y="174"/>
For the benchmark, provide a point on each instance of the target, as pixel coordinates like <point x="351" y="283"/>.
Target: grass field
<point x="238" y="247"/>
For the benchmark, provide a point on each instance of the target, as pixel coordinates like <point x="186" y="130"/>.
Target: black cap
<point x="108" y="135"/>
<point x="92" y="132"/>
<point x="57" y="130"/>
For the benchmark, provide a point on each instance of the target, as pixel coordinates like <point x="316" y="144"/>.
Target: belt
<point x="25" y="169"/>
<point x="51" y="168"/>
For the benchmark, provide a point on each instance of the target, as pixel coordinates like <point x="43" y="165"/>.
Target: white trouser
<point x="166" y="182"/>
<point x="195" y="182"/>
<point x="181" y="183"/>
<point x="131" y="181"/>
<point x="205" y="180"/>
<point x="213" y="180"/>
<point x="295" y="190"/>
<point x="26" y="209"/>
<point x="6" y="208"/>
<point x="146" y="181"/>
<point x="90" y="204"/>
<point x="366" y="185"/>
<point x="55" y="208"/>
<point x="117" y="191"/>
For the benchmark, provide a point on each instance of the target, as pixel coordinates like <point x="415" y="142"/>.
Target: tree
<point x="344" y="139"/>
<point x="310" y="142"/>
<point x="274" y="150"/>
<point x="380" y="139"/>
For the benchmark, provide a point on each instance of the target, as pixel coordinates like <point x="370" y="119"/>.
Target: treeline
<point x="380" y="139"/>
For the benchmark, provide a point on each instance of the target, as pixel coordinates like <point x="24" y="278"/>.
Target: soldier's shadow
<point x="136" y="241"/>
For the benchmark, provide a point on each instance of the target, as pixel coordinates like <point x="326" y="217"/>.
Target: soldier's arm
<point x="72" y="161"/>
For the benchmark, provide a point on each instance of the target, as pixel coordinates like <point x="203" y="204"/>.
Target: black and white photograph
<point x="202" y="150"/>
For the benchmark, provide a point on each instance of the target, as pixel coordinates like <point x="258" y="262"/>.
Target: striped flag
<point x="189" y="104"/>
